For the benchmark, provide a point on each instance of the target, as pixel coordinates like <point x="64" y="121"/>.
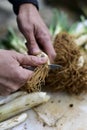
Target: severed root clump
<point x="34" y="84"/>
<point x="73" y="75"/>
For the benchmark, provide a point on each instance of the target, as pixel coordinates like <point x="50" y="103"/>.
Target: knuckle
<point x="20" y="77"/>
<point x="44" y="37"/>
<point x="27" y="28"/>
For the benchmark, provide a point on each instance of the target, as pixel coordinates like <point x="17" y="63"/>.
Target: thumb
<point x="25" y="74"/>
<point x="29" y="60"/>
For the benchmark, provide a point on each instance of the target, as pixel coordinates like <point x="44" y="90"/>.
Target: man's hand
<point x="35" y="31"/>
<point x="12" y="74"/>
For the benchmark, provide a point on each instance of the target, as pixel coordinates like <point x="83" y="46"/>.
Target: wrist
<point x="18" y="3"/>
<point x="28" y="6"/>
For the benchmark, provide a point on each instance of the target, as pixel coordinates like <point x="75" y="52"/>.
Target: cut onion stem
<point x="8" y="124"/>
<point x="21" y="104"/>
<point x="11" y="97"/>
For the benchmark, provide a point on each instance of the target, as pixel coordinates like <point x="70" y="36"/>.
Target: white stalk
<point x="8" y="124"/>
<point x="81" y="61"/>
<point x="81" y="40"/>
<point x="21" y="104"/>
<point x="11" y="97"/>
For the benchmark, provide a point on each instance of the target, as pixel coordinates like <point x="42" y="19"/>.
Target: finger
<point x="32" y="46"/>
<point x="45" y="41"/>
<point x="21" y="77"/>
<point x="30" y="60"/>
<point x="25" y="75"/>
<point x="27" y="31"/>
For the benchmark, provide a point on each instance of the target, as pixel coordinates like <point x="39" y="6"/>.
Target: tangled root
<point x="34" y="84"/>
<point x="73" y="76"/>
<point x="38" y="79"/>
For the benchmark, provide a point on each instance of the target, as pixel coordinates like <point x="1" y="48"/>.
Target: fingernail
<point x="44" y="59"/>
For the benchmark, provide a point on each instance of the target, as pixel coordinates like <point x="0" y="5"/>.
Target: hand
<point x="35" y="31"/>
<point x="12" y="74"/>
